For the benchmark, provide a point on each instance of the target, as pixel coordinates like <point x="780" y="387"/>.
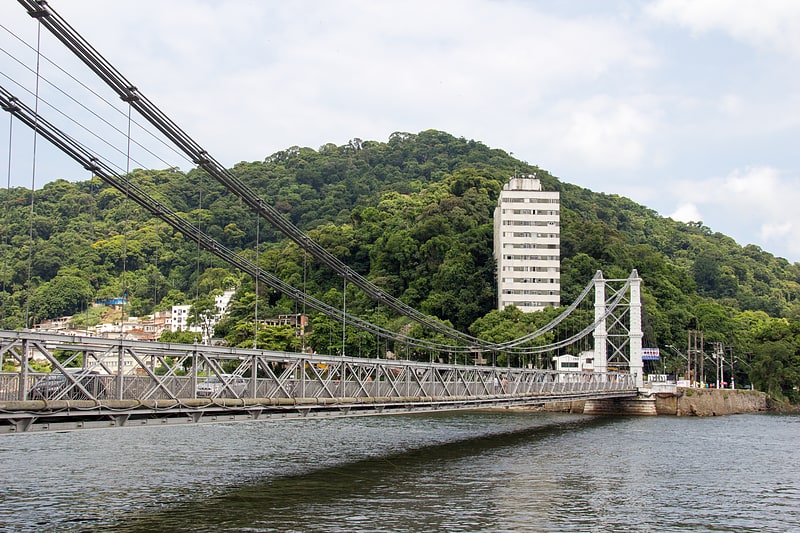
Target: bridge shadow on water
<point x="431" y="487"/>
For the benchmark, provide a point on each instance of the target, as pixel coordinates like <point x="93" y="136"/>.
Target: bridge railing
<point x="143" y="387"/>
<point x="160" y="371"/>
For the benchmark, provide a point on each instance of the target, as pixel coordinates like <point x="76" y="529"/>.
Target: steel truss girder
<point x="228" y="411"/>
<point x="153" y="386"/>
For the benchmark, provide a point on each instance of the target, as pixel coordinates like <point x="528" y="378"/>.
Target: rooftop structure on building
<point x="294" y="320"/>
<point x="527" y="244"/>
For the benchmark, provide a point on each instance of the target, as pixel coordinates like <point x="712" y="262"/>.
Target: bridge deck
<point x="63" y="415"/>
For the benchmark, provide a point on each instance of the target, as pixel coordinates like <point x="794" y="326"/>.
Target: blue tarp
<point x="111" y="301"/>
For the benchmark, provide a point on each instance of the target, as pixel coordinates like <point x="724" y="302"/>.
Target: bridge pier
<point x="639" y="406"/>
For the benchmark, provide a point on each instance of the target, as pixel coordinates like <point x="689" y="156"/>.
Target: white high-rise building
<point x="527" y="245"/>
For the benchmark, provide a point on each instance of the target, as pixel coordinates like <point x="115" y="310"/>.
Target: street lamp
<point x="719" y="363"/>
<point x="674" y="349"/>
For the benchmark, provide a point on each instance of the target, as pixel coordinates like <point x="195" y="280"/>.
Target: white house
<point x="583" y="362"/>
<point x="179" y="321"/>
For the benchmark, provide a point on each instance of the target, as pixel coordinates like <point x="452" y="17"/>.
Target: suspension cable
<point x="610" y="308"/>
<point x="85" y="128"/>
<point x="550" y="326"/>
<point x="112" y="77"/>
<point x="86" y="108"/>
<point x="90" y="161"/>
<point x="84" y="51"/>
<point x="344" y="314"/>
<point x="197" y="321"/>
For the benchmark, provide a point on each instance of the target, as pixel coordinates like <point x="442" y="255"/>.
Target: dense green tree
<point x="775" y="369"/>
<point x="64" y="295"/>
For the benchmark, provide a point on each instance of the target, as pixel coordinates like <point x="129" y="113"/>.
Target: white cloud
<point x="732" y="105"/>
<point x="307" y="73"/>
<point x="603" y="131"/>
<point x="757" y="205"/>
<point x="687" y="212"/>
<point x="773" y="24"/>
<point x="776" y="231"/>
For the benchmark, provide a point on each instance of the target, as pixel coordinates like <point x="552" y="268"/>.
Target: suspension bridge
<point x="269" y="385"/>
<point x="104" y="382"/>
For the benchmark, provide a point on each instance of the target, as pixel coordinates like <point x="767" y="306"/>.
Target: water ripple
<point x="462" y="472"/>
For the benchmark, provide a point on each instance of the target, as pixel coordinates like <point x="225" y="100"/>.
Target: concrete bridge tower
<point x="633" y="306"/>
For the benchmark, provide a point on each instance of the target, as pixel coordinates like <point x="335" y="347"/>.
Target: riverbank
<point x="684" y="402"/>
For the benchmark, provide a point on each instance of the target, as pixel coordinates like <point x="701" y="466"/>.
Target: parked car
<point x="214" y="387"/>
<point x="53" y="385"/>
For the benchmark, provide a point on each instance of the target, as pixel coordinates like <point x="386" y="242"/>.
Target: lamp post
<point x="718" y="363"/>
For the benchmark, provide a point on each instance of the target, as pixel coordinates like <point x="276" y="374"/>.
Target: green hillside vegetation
<point x="414" y="215"/>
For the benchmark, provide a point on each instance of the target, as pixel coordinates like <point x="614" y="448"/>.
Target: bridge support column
<point x="253" y="376"/>
<point x="195" y="370"/>
<point x="120" y="370"/>
<point x="22" y="392"/>
<point x="600" y="333"/>
<point x="636" y="364"/>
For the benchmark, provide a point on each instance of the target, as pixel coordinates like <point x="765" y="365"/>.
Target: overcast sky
<point x="689" y="107"/>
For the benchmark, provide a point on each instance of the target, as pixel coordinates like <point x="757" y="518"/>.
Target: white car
<point x="214" y="387"/>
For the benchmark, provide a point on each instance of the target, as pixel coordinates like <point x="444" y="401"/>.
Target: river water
<point x="489" y="471"/>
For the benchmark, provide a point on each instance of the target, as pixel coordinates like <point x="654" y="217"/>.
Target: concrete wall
<point x="686" y="402"/>
<point x="710" y="402"/>
<point x="621" y="406"/>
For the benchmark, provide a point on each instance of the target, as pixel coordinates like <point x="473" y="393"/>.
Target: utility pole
<point x="693" y="352"/>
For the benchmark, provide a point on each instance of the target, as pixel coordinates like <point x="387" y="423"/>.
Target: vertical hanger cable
<point x="197" y="323"/>
<point x="7" y="223"/>
<point x="33" y="174"/>
<point x="126" y="227"/>
<point x="255" y="327"/>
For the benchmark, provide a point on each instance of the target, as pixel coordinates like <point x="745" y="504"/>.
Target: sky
<point x="689" y="107"/>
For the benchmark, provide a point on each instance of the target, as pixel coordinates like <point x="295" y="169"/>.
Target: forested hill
<point x="413" y="214"/>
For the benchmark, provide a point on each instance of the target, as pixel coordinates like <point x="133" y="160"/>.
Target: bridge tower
<point x="635" y="333"/>
<point x="600" y="332"/>
<point x="617" y="341"/>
